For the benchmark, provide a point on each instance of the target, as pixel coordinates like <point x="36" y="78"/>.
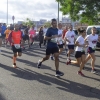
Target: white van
<point x="88" y="30"/>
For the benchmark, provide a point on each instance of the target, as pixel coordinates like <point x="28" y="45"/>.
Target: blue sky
<point x="33" y="9"/>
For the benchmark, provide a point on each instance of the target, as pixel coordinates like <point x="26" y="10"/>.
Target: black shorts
<point x="90" y="50"/>
<point x="71" y="47"/>
<point x="25" y="37"/>
<point x="52" y="50"/>
<point x="16" y="50"/>
<point x="79" y="54"/>
<point x="60" y="46"/>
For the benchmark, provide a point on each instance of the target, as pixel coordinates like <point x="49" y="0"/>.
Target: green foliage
<point x="87" y="11"/>
<point x="48" y="24"/>
<point x="28" y="22"/>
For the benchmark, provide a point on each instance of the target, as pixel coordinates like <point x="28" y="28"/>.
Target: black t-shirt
<point x="26" y="30"/>
<point x="41" y="33"/>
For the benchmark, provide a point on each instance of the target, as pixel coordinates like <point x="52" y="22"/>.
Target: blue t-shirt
<point x="51" y="31"/>
<point x="3" y="29"/>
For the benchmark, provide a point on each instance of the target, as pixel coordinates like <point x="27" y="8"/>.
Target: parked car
<point x="88" y="31"/>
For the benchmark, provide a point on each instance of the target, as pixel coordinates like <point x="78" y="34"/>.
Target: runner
<point x="52" y="47"/>
<point x="7" y="32"/>
<point x="2" y="32"/>
<point x="16" y="36"/>
<point x="92" y="41"/>
<point x="45" y="30"/>
<point x="32" y="34"/>
<point x="80" y="51"/>
<point x="64" y="31"/>
<point x="60" y="39"/>
<point x="41" y="37"/>
<point x="0" y="37"/>
<point x="70" y="39"/>
<point x="26" y="36"/>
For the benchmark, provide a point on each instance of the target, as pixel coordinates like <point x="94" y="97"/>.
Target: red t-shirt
<point x="16" y="37"/>
<point x="64" y="32"/>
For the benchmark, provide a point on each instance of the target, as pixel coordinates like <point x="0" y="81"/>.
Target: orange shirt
<point x="16" y="37"/>
<point x="7" y="32"/>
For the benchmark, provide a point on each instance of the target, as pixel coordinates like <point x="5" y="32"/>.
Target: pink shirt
<point x="32" y="32"/>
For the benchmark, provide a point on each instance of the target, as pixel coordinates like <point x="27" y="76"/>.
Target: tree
<point x="28" y="22"/>
<point x="48" y="24"/>
<point x="87" y="11"/>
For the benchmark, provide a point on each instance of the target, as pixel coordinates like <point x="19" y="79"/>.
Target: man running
<point x="16" y="37"/>
<point x="52" y="47"/>
<point x="3" y="30"/>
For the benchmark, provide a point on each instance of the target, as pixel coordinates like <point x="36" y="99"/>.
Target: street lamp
<point x="58" y="11"/>
<point x="7" y="12"/>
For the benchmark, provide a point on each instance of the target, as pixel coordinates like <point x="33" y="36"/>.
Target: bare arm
<point x="77" y="44"/>
<point x="48" y="38"/>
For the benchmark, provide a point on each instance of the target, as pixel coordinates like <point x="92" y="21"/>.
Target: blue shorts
<point x="71" y="47"/>
<point x="90" y="50"/>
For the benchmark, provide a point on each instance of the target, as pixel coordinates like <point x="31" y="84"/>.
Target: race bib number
<point x="17" y="46"/>
<point x="82" y="49"/>
<point x="54" y="40"/>
<point x="94" y="46"/>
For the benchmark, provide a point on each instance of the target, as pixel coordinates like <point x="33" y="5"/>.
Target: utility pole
<point x="7" y="12"/>
<point x="58" y="11"/>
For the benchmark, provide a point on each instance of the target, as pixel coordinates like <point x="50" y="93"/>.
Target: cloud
<point x="36" y="10"/>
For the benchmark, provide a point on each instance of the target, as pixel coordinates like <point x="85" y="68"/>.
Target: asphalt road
<point x="27" y="82"/>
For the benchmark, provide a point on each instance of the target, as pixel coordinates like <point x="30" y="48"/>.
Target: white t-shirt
<point x="81" y="41"/>
<point x="92" y="40"/>
<point x="44" y="31"/>
<point x="60" y="39"/>
<point x="70" y="35"/>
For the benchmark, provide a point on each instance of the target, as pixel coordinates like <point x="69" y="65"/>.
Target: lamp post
<point x="7" y="12"/>
<point x="58" y="11"/>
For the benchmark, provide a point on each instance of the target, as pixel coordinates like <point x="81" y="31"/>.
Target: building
<point x="67" y="21"/>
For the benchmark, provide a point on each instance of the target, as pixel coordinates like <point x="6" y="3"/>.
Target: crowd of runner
<point x="56" y="41"/>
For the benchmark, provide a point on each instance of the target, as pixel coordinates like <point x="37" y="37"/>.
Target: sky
<point x="33" y="9"/>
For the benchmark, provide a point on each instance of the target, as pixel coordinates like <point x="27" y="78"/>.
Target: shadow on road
<point x="2" y="97"/>
<point x="48" y="79"/>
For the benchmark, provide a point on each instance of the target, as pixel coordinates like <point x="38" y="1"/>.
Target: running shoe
<point x="14" y="66"/>
<point x="39" y="64"/>
<point x="68" y="61"/>
<point x="51" y="57"/>
<point x="80" y="73"/>
<point x="93" y="71"/>
<point x="59" y="73"/>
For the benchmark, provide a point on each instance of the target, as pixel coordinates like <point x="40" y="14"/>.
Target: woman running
<point x="32" y="34"/>
<point x="92" y="41"/>
<point x="80" y="51"/>
<point x="41" y="37"/>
